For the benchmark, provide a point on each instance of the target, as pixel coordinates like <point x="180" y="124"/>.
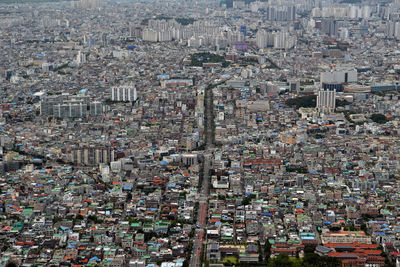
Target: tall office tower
<point x="124" y="93"/>
<point x="326" y="100"/>
<point x="81" y="58"/>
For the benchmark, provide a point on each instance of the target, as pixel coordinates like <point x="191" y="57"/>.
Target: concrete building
<point x="91" y="156"/>
<point x="326" y="100"/>
<point x="339" y="75"/>
<point x="346" y="237"/>
<point x="124" y="93"/>
<point x="81" y="58"/>
<point x="70" y="110"/>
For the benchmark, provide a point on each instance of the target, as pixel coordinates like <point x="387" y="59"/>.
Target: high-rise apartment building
<point x="326" y="100"/>
<point x="81" y="58"/>
<point x="393" y="30"/>
<point x="125" y="93"/>
<point x="262" y="39"/>
<point x="70" y="107"/>
<point x="281" y="13"/>
<point x="47" y="104"/>
<point x="95" y="108"/>
<point x="91" y="156"/>
<point x="150" y="35"/>
<point x="70" y="110"/>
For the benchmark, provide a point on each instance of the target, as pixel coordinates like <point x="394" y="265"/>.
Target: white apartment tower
<point x="326" y="100"/>
<point x="124" y="93"/>
<point x="262" y="39"/>
<point x="150" y="35"/>
<point x="81" y="58"/>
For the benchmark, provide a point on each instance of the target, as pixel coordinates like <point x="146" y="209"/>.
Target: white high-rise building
<point x="343" y="33"/>
<point x="89" y="3"/>
<point x="262" y="39"/>
<point x="393" y="30"/>
<point x="150" y="35"/>
<point x="123" y="93"/>
<point x="81" y="58"/>
<point x="95" y="108"/>
<point x="164" y="36"/>
<point x="326" y="100"/>
<point x="194" y="42"/>
<point x="279" y="40"/>
<point x="397" y="30"/>
<point x="282" y="40"/>
<point x="70" y="110"/>
<point x="339" y="75"/>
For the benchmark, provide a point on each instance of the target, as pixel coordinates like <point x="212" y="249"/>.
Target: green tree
<point x="281" y="261"/>
<point x="267" y="250"/>
<point x="302" y="102"/>
<point x="310" y="258"/>
<point x="246" y="201"/>
<point x="379" y="118"/>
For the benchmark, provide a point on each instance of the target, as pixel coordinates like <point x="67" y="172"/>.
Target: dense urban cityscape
<point x="200" y="133"/>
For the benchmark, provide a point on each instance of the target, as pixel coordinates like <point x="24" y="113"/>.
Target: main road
<point x="204" y="192"/>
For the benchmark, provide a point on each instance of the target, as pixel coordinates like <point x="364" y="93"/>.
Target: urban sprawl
<point x="200" y="133"/>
